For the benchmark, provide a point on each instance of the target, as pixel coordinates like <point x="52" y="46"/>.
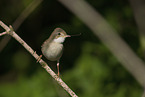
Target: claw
<point x="39" y="58"/>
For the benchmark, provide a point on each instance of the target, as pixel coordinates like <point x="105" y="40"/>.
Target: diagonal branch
<point x="10" y="31"/>
<point x="108" y="36"/>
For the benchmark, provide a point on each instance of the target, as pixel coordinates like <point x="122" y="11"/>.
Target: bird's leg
<point x="58" y="68"/>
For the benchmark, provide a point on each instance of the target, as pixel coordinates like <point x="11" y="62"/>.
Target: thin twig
<point x="35" y="55"/>
<point x="25" y="13"/>
<point x="3" y="33"/>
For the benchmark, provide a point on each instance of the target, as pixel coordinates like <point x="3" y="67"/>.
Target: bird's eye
<point x="59" y="34"/>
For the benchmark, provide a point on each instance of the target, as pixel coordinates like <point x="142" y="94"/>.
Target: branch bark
<point x="10" y="31"/>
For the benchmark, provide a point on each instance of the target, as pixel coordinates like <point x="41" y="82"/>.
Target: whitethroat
<point x="52" y="48"/>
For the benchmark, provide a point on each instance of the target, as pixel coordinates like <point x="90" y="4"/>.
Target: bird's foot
<point x="39" y="58"/>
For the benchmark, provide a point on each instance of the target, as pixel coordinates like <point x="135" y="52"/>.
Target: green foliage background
<point x="87" y="66"/>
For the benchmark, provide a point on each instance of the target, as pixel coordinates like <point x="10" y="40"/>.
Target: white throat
<point x="59" y="39"/>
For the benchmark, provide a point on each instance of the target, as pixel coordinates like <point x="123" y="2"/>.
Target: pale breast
<point x="54" y="51"/>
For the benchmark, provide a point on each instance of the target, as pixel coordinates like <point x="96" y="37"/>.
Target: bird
<point x="52" y="48"/>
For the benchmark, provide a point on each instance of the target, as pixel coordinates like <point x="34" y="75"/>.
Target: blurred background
<point x="87" y="65"/>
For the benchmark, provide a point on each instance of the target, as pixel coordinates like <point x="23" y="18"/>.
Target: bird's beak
<point x="67" y="36"/>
